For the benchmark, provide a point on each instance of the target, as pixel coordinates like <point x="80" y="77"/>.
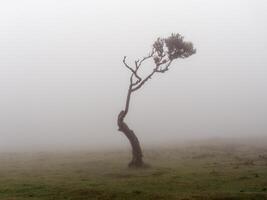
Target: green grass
<point x="200" y="172"/>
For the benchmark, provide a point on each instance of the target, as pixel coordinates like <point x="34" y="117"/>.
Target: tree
<point x="164" y="52"/>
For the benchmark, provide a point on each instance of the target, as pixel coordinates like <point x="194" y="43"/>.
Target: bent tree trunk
<point x="137" y="156"/>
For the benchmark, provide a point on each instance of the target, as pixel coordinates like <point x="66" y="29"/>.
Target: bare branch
<point x="143" y="81"/>
<point x="156" y="69"/>
<point x="138" y="63"/>
<point x="126" y="65"/>
<point x="131" y="69"/>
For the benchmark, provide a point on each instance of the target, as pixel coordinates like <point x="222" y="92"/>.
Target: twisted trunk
<point x="137" y="156"/>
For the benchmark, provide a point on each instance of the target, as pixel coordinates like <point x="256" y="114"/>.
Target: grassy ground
<point x="198" y="172"/>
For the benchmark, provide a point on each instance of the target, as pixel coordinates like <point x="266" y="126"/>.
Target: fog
<point x="63" y="83"/>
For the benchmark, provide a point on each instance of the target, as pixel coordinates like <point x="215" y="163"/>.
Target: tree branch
<point x="166" y="68"/>
<point x="156" y="69"/>
<point x="139" y="63"/>
<point x="126" y="65"/>
<point x="131" y="69"/>
<point x="143" y="81"/>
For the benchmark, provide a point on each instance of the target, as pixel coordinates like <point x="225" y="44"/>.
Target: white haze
<point x="62" y="81"/>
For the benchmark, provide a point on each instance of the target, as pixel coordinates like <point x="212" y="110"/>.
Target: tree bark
<point x="137" y="156"/>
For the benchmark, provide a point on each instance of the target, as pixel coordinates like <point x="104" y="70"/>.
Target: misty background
<point x="62" y="81"/>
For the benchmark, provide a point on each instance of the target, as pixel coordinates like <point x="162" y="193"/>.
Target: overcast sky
<point x="62" y="81"/>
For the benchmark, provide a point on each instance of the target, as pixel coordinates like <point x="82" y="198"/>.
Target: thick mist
<point x="62" y="80"/>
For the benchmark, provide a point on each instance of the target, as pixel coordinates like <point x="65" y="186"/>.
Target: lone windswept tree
<point x="164" y="52"/>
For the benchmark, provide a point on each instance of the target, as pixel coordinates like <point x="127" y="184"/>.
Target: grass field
<point x="212" y="171"/>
